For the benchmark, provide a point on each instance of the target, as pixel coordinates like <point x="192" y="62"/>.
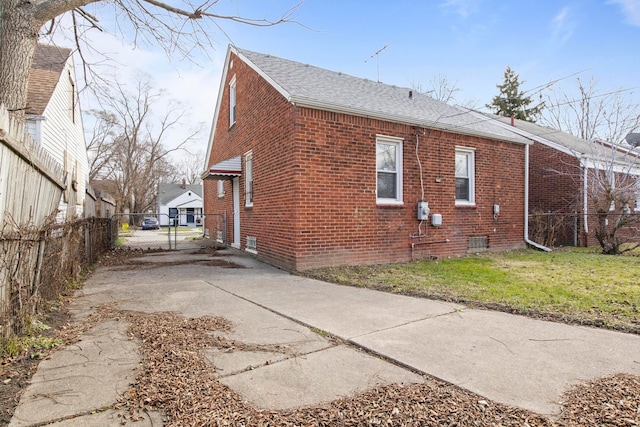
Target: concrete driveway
<point x="510" y="359"/>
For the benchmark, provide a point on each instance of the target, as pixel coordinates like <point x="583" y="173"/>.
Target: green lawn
<point x="579" y="286"/>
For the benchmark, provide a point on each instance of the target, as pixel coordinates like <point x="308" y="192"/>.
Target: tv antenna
<point x="377" y="56"/>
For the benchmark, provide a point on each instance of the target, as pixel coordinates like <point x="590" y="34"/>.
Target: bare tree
<point x="179" y="27"/>
<point x="439" y="88"/>
<point x="613" y="196"/>
<point x="99" y="146"/>
<point x="133" y="153"/>
<point x="592" y="115"/>
<point x="611" y="172"/>
<point x="189" y="167"/>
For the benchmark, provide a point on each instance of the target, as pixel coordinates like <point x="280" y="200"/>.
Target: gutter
<point x="526" y="204"/>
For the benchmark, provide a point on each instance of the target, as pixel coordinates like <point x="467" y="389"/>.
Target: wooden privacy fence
<point x="36" y="256"/>
<point x="31" y="181"/>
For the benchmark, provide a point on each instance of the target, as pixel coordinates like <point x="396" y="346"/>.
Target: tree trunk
<point x="18" y="38"/>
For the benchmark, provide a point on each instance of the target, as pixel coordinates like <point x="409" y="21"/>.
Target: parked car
<point x="150" y="224"/>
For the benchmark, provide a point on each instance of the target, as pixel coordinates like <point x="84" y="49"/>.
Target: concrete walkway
<point x="509" y="359"/>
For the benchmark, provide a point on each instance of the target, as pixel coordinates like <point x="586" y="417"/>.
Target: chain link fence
<point x="155" y="231"/>
<point x="37" y="263"/>
<point x="568" y="229"/>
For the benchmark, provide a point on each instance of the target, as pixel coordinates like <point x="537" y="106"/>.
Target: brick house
<point x="562" y="169"/>
<point x="316" y="168"/>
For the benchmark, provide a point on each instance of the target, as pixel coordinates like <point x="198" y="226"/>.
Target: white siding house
<point x="55" y="122"/>
<point x="181" y="201"/>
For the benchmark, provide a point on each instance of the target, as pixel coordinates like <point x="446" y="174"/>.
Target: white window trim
<point x="398" y="142"/>
<point x="636" y="206"/>
<point x="233" y="102"/>
<point x="471" y="156"/>
<point x="248" y="177"/>
<point x="220" y="188"/>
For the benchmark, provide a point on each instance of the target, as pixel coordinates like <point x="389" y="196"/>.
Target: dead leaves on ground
<point x="175" y="379"/>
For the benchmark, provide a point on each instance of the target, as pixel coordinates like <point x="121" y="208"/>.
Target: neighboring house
<point x="316" y="168"/>
<point x="107" y="189"/>
<point x="562" y="168"/>
<point x="105" y="204"/>
<point x="180" y="201"/>
<point x="55" y="122"/>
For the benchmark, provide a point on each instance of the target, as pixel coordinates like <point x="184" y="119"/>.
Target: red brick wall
<point x="555" y="180"/>
<point x="264" y="125"/>
<point x="315" y="185"/>
<point x="339" y="221"/>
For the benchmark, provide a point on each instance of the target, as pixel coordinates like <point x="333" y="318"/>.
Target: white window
<point x="248" y="178"/>
<point x="232" y="101"/>
<point x="465" y="180"/>
<point x="389" y="170"/>
<point x="220" y="188"/>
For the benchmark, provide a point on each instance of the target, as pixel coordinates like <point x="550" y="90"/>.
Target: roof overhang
<point x="226" y="169"/>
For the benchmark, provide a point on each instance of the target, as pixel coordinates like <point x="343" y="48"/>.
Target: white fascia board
<point x="216" y="112"/>
<point x="618" y="167"/>
<point x="307" y="103"/>
<point x="190" y="204"/>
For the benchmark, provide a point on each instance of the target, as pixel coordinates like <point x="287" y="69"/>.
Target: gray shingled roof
<point x="310" y="86"/>
<point x="577" y="146"/>
<point x="573" y="143"/>
<point x="169" y="191"/>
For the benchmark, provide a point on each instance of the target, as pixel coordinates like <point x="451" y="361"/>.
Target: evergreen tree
<point x="512" y="102"/>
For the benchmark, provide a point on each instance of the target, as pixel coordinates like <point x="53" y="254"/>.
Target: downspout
<point x="526" y="204"/>
<point x="585" y="201"/>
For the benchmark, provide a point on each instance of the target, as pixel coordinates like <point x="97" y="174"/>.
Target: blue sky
<point x="470" y="42"/>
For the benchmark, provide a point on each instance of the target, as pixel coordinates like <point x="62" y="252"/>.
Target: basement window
<point x="252" y="245"/>
<point x="478" y="243"/>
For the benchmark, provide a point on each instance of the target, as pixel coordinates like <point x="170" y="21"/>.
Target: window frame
<point x="470" y="154"/>
<point x="636" y="205"/>
<point x="233" y="101"/>
<point x="248" y="179"/>
<point x="398" y="143"/>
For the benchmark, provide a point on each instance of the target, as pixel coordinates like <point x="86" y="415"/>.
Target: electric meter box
<point x="423" y="211"/>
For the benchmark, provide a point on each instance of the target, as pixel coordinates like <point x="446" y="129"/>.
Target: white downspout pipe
<point x="526" y="203"/>
<point x="585" y="202"/>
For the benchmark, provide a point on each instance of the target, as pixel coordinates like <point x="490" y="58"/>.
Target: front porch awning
<point x="226" y="169"/>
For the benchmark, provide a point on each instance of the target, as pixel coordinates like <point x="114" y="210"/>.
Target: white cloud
<point x="630" y="9"/>
<point x="463" y="8"/>
<point x="562" y="26"/>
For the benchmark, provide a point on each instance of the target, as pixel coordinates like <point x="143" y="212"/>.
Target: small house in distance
<point x="315" y="168"/>
<point x="181" y="203"/>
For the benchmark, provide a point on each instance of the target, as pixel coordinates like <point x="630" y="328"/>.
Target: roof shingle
<point x="48" y="63"/>
<point x="311" y="86"/>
